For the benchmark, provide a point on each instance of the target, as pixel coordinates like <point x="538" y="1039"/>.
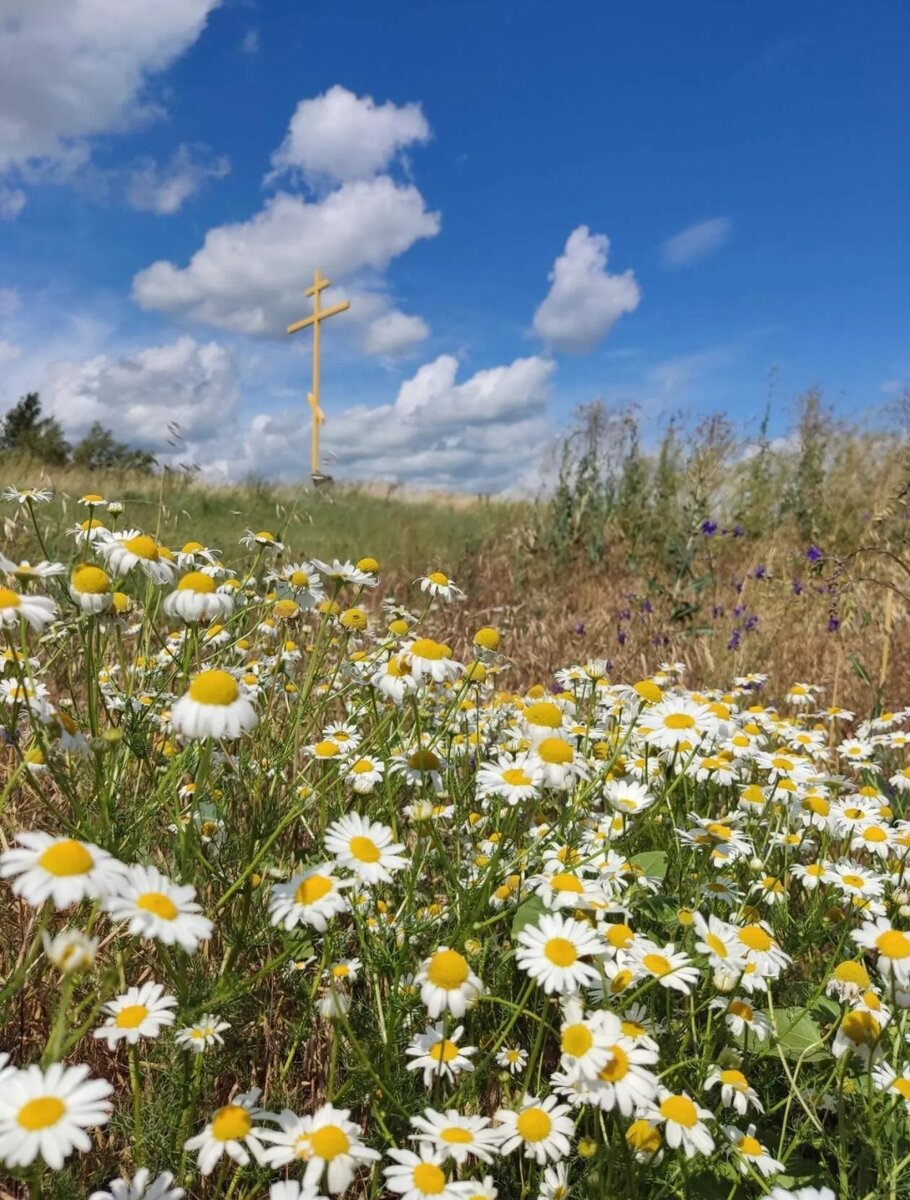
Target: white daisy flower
<point x="290" y="1189"/>
<point x="345" y="572"/>
<point x="262" y="540"/>
<point x="328" y="1141"/>
<point x="59" y="869"/>
<point x="892" y="946"/>
<point x="203" y="1033"/>
<point x="158" y="909"/>
<point x="213" y="706"/>
<point x="543" y="1128"/>
<point x="36" y="611"/>
<point x="552" y="953"/>
<point x="365" y="847"/>
<point x="139" y="1188"/>
<point x="735" y="1090"/>
<point x="196" y="599"/>
<point x="70" y="950"/>
<point x="740" y="1016"/>
<point x="671" y="968"/>
<point x="683" y="1123"/>
<point x="46" y="1113"/>
<point x="141" y="1012"/>
<point x="420" y="1176"/>
<point x="457" y="1135"/>
<point x="748" y="1152"/>
<point x="439" y="584"/>
<point x="90" y="588"/>
<point x="364" y="773"/>
<point x="131" y="549"/>
<point x="231" y="1132"/>
<point x="447" y="983"/>
<point x="429" y="659"/>
<point x="311" y="897"/>
<point x="513" y="1059"/>
<point x="438" y="1054"/>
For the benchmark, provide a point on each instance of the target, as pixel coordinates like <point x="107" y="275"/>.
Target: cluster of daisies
<point x="582" y="935"/>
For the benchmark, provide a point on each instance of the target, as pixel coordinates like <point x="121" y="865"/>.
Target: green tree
<point x="25" y="431"/>
<point x="100" y="450"/>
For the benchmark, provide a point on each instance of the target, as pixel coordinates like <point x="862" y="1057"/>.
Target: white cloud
<point x="696" y="242"/>
<point x="163" y="189"/>
<point x="12" y="202"/>
<point x="141" y="397"/>
<point x="584" y="300"/>
<point x="249" y="277"/>
<point x="478" y="435"/>
<point x="72" y="69"/>
<point x="8" y="352"/>
<point x="250" y="42"/>
<point x="394" y="333"/>
<point x="338" y="136"/>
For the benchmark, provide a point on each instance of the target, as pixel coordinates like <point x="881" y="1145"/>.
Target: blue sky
<point x="528" y="204"/>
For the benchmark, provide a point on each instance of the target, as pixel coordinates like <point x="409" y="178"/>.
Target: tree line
<point x="25" y="430"/>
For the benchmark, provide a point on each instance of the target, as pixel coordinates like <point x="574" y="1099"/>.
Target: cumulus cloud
<point x="143" y="397"/>
<point x="163" y="188"/>
<point x="394" y="333"/>
<point x="584" y="300"/>
<point x="249" y="276"/>
<point x="696" y="242"/>
<point x="477" y="435"/>
<point x="72" y="69"/>
<point x="339" y="136"/>
<point x="12" y="202"/>
<point x="8" y="352"/>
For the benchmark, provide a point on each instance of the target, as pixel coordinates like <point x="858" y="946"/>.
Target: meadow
<point x="356" y="843"/>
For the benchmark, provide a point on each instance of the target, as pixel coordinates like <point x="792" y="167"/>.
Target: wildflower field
<point x="311" y="888"/>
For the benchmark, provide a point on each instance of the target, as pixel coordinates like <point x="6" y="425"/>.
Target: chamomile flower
<point x="749" y="1154"/>
<point x="312" y="897"/>
<point x="457" y="1135"/>
<point x="60" y="869"/>
<point x="677" y="721"/>
<point x="204" y="1033"/>
<point x="541" y="1128"/>
<point x="70" y="950"/>
<point x="46" y="1113"/>
<point x="213" y="706"/>
<point x="196" y="599"/>
<point x="740" y="1016"/>
<point x="157" y="909"/>
<point x="364" y="773"/>
<point x="886" y="1079"/>
<point x="447" y="983"/>
<point x="141" y="1012"/>
<point x="429" y="659"/>
<point x="231" y="1132"/>
<point x="327" y="1141"/>
<point x="420" y="1176"/>
<point x="263" y="540"/>
<point x="90" y="588"/>
<point x="28" y="495"/>
<point x="131" y="550"/>
<point x="892" y="946"/>
<point x="365" y="847"/>
<point x="683" y="1123"/>
<point x="510" y="778"/>
<point x="36" y="611"/>
<point x="439" y="1055"/>
<point x="439" y="584"/>
<point x="513" y="1059"/>
<point x="553" y="953"/>
<point x="671" y="968"/>
<point x="141" y="1187"/>
<point x="735" y="1090"/>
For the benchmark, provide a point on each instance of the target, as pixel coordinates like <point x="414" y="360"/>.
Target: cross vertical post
<point x="318" y="315"/>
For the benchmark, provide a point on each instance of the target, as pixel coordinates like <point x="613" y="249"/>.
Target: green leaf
<point x="528" y="913"/>
<point x="653" y="863"/>
<point x="794" y="1031"/>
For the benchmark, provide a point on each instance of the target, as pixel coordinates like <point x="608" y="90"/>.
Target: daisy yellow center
<point x="619" y="936"/>
<point x="142" y="546"/>
<point x="264" y="536"/>
<point x="555" y="751"/>
<point x="131" y="1017"/>
<point x="428" y="649"/>
<point x="717" y="945"/>
<point x="680" y="1110"/>
<point x="157" y="903"/>
<point x="66" y="857"/>
<point x="852" y="972"/>
<point x="861" y="1028"/>
<point x="40" y="1113"/>
<point x="643" y="1137"/>
<point x="902" y="1086"/>
<point x="893" y="944"/>
<point x="327" y="749"/>
<point x="621" y="981"/>
<point x="196" y="581"/>
<point x="855" y="881"/>
<point x="92" y="498"/>
<point x="231" y="1123"/>
<point x="750" y="1146"/>
<point x="679" y="720"/>
<point x="448" y="969"/>
<point x="9" y="598"/>
<point x="329" y="1141"/>
<point x="424" y="760"/>
<point x="362" y="766"/>
<point x="577" y="1040"/>
<point x="657" y="964"/>
<point x="516" y="777"/>
<point x="560" y="951"/>
<point x="875" y="834"/>
<point x="438" y="578"/>
<point x="544" y="713"/>
<point x="312" y="889"/>
<point x="429" y="1179"/>
<point x="192" y="548"/>
<point x="534" y="1124"/>
<point x="456" y="1135"/>
<point x="214" y="687"/>
<point x="364" y="849"/>
<point x="564" y="882"/>
<point x="755" y="938"/>
<point x="618" y="1066"/>
<point x="734" y="1079"/>
<point x="443" y="1051"/>
<point x="91" y="580"/>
